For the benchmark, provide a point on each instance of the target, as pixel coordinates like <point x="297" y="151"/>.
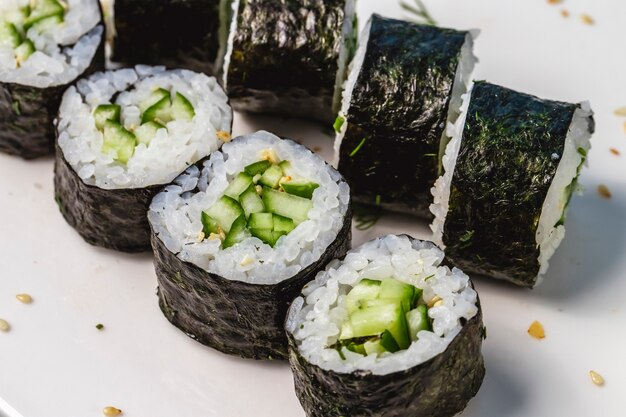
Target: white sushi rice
<point x="63" y="53"/>
<point x="347" y="35"/>
<point x="231" y="40"/>
<point x="175" y="214"/>
<point x="170" y="152"/>
<point x="315" y="319"/>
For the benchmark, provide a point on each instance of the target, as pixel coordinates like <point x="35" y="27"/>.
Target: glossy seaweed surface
<point x="398" y="112"/>
<point x="27" y="114"/>
<point x="174" y="33"/>
<point x="285" y="57"/>
<point x="511" y="148"/>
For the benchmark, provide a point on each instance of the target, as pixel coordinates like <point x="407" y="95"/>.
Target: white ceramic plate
<point x="54" y="363"/>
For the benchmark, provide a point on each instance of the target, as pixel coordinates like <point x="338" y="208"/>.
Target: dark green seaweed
<point x="234" y="317"/>
<point x="398" y="113"/>
<point x="27" y="113"/>
<point x="285" y="57"/>
<point x="512" y="145"/>
<point x="174" y="33"/>
<point x="440" y="387"/>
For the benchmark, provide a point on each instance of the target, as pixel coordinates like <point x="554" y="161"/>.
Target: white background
<point x="55" y="363"/>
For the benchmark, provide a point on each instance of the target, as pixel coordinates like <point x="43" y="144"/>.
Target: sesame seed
<point x="536" y="330"/>
<point x="604" y="191"/>
<point x="223" y="136"/>
<point x="100" y="326"/>
<point x="596" y="378"/>
<point x="614" y="151"/>
<point x="24" y="298"/>
<point x="586" y="19"/>
<point x="564" y="13"/>
<point x="111" y="411"/>
<point x="4" y="325"/>
<point x="620" y="111"/>
<point x="555" y="1"/>
<point x="434" y="301"/>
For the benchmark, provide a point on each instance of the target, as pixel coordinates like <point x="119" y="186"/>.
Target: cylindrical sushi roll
<point x="289" y="57"/>
<point x="237" y="237"/>
<point x="124" y="134"/>
<point x="388" y="331"/>
<point x="510" y="171"/>
<point x="178" y="34"/>
<point x="45" y="45"/>
<point x="404" y="86"/>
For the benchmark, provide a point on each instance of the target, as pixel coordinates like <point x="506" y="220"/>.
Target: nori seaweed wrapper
<point x="511" y="147"/>
<point x="27" y="113"/>
<point x="285" y="57"/>
<point x="113" y="219"/>
<point x="440" y="387"/>
<point x="234" y="317"/>
<point x="174" y="33"/>
<point x="398" y="114"/>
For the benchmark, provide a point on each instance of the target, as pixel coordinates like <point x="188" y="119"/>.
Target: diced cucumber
<point x="43" y="9"/>
<point x="238" y="233"/>
<point x="271" y="177"/>
<point x="283" y="224"/>
<point x="261" y="221"/>
<point x="267" y="235"/>
<point x="118" y="140"/>
<point x="374" y="347"/>
<point x="287" y="205"/>
<point x="356" y="348"/>
<point x="392" y="288"/>
<point x="237" y="186"/>
<point x="417" y="320"/>
<point x="366" y="289"/>
<point x="48" y="22"/>
<point x="210" y="225"/>
<point x="339" y="121"/>
<point x="182" y="109"/>
<point x="257" y="168"/>
<point x="155" y="97"/>
<point x="374" y="321"/>
<point x="105" y="112"/>
<point x="251" y="202"/>
<point x="24" y="51"/>
<point x="147" y="131"/>
<point x="388" y="342"/>
<point x="9" y="35"/>
<point x="160" y="112"/>
<point x="378" y="302"/>
<point x="301" y="188"/>
<point x="287" y="168"/>
<point x="225" y="211"/>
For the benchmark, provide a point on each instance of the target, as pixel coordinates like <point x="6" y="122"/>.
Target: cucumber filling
<point x="159" y="109"/>
<point x="383" y="317"/>
<point x="265" y="200"/>
<point x="40" y="15"/>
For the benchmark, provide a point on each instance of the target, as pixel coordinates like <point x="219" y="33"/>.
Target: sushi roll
<point x="289" y="57"/>
<point x="124" y="134"/>
<point x="510" y="171"/>
<point x="405" y="84"/>
<point x="238" y="235"/>
<point x="388" y="331"/>
<point x="45" y="45"/>
<point x="177" y="34"/>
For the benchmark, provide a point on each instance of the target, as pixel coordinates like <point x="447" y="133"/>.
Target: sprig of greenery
<point x="366" y="217"/>
<point x="418" y="11"/>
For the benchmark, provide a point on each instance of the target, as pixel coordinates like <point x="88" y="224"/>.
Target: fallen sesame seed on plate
<point x="536" y="330"/>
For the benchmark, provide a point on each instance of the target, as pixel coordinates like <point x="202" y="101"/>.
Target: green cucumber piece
<point x="238" y="233"/>
<point x="119" y="140"/>
<point x="237" y="186"/>
<point x="417" y="320"/>
<point x="392" y="288"/>
<point x="374" y="321"/>
<point x="261" y="221"/>
<point x="160" y="112"/>
<point x="339" y="121"/>
<point x="147" y="131"/>
<point x="287" y="205"/>
<point x="287" y="168"/>
<point x="182" y="109"/>
<point x="9" y="35"/>
<point x="48" y="22"/>
<point x="283" y="224"/>
<point x="356" y="348"/>
<point x="257" y="168"/>
<point x="155" y="97"/>
<point x="388" y="342"/>
<point x="251" y="202"/>
<point x="366" y="289"/>
<point x="225" y="211"/>
<point x="301" y="188"/>
<point x="44" y="9"/>
<point x="271" y="177"/>
<point x="374" y="347"/>
<point x="24" y="51"/>
<point x="210" y="225"/>
<point x="105" y="112"/>
<point x="267" y="235"/>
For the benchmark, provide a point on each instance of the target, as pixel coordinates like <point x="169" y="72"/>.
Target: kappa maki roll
<point x="175" y="33"/>
<point x="404" y="87"/>
<point x="45" y="45"/>
<point x="388" y="331"/>
<point x="122" y="135"/>
<point x="289" y="57"/>
<point x="510" y="172"/>
<point x="237" y="237"/>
